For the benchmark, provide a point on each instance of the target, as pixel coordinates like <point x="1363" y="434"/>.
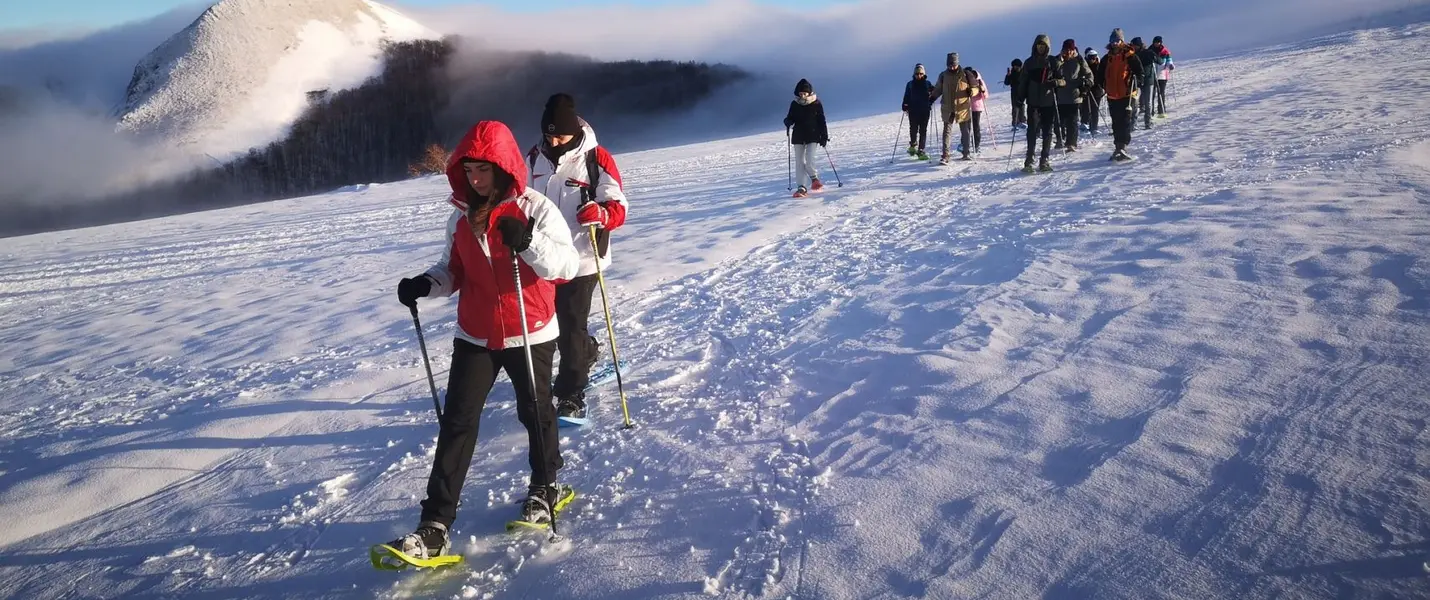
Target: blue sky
<point x="35" y="14"/>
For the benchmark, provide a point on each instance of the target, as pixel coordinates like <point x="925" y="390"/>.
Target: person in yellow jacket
<point x="957" y="86"/>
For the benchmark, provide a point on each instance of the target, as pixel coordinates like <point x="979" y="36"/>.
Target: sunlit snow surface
<point x="1199" y="375"/>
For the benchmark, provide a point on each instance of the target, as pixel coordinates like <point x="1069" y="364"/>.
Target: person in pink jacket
<point x="980" y="101"/>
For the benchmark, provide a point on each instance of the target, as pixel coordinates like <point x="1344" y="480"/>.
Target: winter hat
<point x="1091" y="53"/>
<point x="1069" y="44"/>
<point x="1017" y="62"/>
<point x="919" y="69"/>
<point x="559" y="118"/>
<point x="1137" y="41"/>
<point x="1116" y="36"/>
<point x="803" y="86"/>
<point x="1157" y="40"/>
<point x="952" y="59"/>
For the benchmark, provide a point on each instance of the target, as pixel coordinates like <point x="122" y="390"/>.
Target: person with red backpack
<point x="1119" y="76"/>
<point x="571" y="168"/>
<point x="501" y="235"/>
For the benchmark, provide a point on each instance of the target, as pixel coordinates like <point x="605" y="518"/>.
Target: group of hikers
<point x="1055" y="96"/>
<point x="529" y="236"/>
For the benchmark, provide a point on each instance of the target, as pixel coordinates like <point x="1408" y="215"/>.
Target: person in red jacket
<point x="563" y="167"/>
<point x="498" y="222"/>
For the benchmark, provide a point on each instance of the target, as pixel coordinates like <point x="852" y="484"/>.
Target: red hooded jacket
<point x="476" y="264"/>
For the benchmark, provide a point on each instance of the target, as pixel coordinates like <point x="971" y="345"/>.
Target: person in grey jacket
<point x="1036" y="87"/>
<point x="1074" y="78"/>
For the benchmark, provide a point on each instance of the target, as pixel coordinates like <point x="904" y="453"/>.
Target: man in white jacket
<point x="563" y="167"/>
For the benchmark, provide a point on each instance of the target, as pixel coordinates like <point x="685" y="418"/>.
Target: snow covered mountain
<point x="1200" y="375"/>
<point x="240" y="74"/>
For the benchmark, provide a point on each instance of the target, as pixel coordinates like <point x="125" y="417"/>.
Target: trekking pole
<point x="531" y="377"/>
<point x="831" y="166"/>
<point x="789" y="161"/>
<point x="610" y="328"/>
<point x="896" y="138"/>
<point x="422" y="343"/>
<point x="1012" y="142"/>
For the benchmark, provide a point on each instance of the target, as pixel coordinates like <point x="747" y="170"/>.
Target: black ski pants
<point x="1144" y="101"/>
<point x="1067" y="118"/>
<point x="1161" y="96"/>
<point x="1120" y="111"/>
<point x="1020" y="116"/>
<point x="919" y="129"/>
<point x="1041" y="120"/>
<point x="474" y="371"/>
<point x="578" y="347"/>
<point x="977" y="129"/>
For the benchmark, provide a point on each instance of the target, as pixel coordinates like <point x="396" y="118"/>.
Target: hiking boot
<point x="800" y="192"/>
<point x="816" y="185"/>
<point x="1045" y="166"/>
<point x="428" y="541"/>
<point x="923" y="155"/>
<point x="913" y="150"/>
<point x="572" y="407"/>
<point x="539" y="503"/>
<point x="1028" y="166"/>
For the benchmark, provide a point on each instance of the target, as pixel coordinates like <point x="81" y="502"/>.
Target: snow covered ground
<point x="1200" y="375"/>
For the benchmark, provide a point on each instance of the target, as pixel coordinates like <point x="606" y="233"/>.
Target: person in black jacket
<point x="1036" y="87"/>
<point x="1092" y="102"/>
<point x="805" y="119"/>
<point x="1010" y="79"/>
<point x="919" y="107"/>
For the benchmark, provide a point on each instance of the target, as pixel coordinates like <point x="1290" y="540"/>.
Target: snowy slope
<point x="1200" y="375"/>
<point x="239" y="74"/>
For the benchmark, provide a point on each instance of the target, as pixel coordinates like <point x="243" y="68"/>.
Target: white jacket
<point x="563" y="182"/>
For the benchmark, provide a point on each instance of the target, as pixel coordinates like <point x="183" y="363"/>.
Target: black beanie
<point x="560" y="118"/>
<point x="803" y="86"/>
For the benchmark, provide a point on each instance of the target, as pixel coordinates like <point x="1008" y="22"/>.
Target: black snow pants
<point x="1120" y="113"/>
<point x="474" y="371"/>
<point x="1067" y="118"/>
<point x="919" y="128"/>
<point x="1041" y="121"/>
<point x="578" y="347"/>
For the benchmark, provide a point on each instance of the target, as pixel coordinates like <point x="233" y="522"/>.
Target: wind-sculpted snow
<point x="1199" y="375"/>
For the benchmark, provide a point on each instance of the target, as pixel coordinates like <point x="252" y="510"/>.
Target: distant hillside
<point x="426" y="94"/>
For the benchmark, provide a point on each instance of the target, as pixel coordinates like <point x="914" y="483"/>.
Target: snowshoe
<point x="816" y="185"/>
<point x="801" y="192"/>
<point x="1044" y="166"/>
<point x="425" y="548"/>
<point x="922" y="155"/>
<point x="913" y="150"/>
<point x="966" y="157"/>
<point x="542" y="501"/>
<point x="1028" y="166"/>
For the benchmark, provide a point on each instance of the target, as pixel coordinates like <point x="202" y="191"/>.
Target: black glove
<point x="906" y="108"/>
<point x="409" y="290"/>
<point x="515" y="234"/>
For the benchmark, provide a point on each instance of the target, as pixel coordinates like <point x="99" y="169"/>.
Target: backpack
<point x="588" y="192"/>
